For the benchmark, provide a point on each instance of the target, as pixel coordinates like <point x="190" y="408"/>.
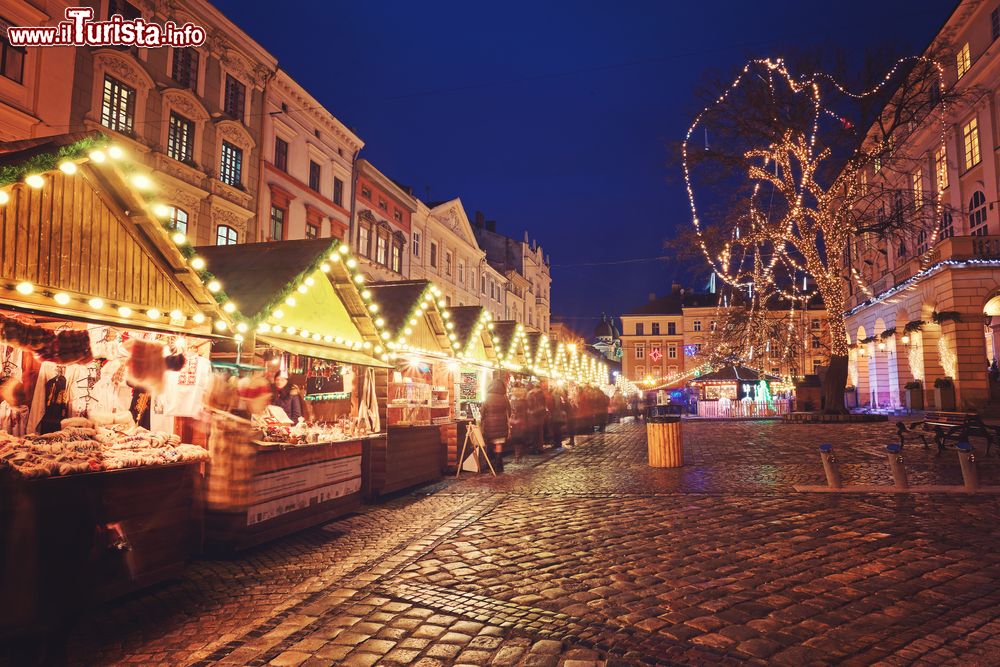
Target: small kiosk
<point x="736" y="392"/>
<point x="472" y="326"/>
<point x="311" y="326"/>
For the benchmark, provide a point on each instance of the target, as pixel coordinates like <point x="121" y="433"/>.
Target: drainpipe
<point x="354" y="185"/>
<point x="265" y="118"/>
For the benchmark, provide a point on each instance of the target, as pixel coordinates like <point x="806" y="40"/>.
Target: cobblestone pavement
<point x="590" y="557"/>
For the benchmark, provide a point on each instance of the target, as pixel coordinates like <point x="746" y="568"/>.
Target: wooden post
<point x="665" y="445"/>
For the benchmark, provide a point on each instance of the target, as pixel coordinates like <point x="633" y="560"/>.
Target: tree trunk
<point x="833" y="385"/>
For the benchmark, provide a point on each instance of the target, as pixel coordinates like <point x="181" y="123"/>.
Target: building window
<point x="315" y="171"/>
<point x="281" y="154"/>
<point x="656" y="328"/>
<point x="671" y="329"/>
<point x="434" y="254"/>
<point x="178" y="219"/>
<point x="364" y="239"/>
<point x="941" y="167"/>
<point x="482" y="283"/>
<point x="671" y="351"/>
<point x="338" y="191"/>
<point x="816" y="364"/>
<point x="815" y="343"/>
<point x="185" y="68"/>
<point x="312" y="230"/>
<point x="382" y="204"/>
<point x="366" y="192"/>
<point x="995" y="23"/>
<point x="640" y="351"/>
<point x="231" y="165"/>
<point x="235" y="100"/>
<point x="225" y="235"/>
<point x="416" y="244"/>
<point x="277" y="223"/>
<point x="382" y="248"/>
<point x="947" y="227"/>
<point x="180" y="138"/>
<point x="977" y="214"/>
<point x="397" y="255"/>
<point x="918" y="189"/>
<point x="447" y="262"/>
<point x="963" y="60"/>
<point x="638" y="329"/>
<point x="970" y="139"/>
<point x="461" y="272"/>
<point x="922" y="246"/>
<point x="118" y="106"/>
<point x="697" y="325"/>
<point x="712" y="325"/>
<point x="11" y="57"/>
<point x="815" y="325"/>
<point x="639" y="371"/>
<point x="397" y="215"/>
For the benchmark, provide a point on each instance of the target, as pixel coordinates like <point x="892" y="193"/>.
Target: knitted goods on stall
<point x="146" y="364"/>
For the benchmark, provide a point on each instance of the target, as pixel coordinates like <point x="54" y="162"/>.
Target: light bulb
<point x="324" y="267"/>
<point x="263" y="327"/>
<point x="142" y="181"/>
<point x="302" y="289"/>
<point x="343" y="250"/>
<point x="34" y="181"/>
<point x="197" y="263"/>
<point x="229" y="307"/>
<point x="359" y="279"/>
<point x="124" y="311"/>
<point x="4" y="197"/>
<point x="380" y="323"/>
<point x="310" y="282"/>
<point x="290" y="301"/>
<point x="25" y="288"/>
<point x="179" y="238"/>
<point x="373" y="307"/>
<point x="153" y="314"/>
<point x="97" y="156"/>
<point x="198" y="318"/>
<point x="96" y="303"/>
<point x="161" y="210"/>
<point x="116" y="152"/>
<point x="351" y="263"/>
<point x="242" y="327"/>
<point x="220" y="325"/>
<point x="61" y="298"/>
<point x="366" y="294"/>
<point x="214" y="286"/>
<point x="67" y="167"/>
<point x="176" y="316"/>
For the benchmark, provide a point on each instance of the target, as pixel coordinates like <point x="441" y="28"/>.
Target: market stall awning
<point x="319" y="351"/>
<point x="511" y="343"/>
<point x="472" y="329"/>
<point x="285" y="289"/>
<point x="735" y="374"/>
<point x="411" y="315"/>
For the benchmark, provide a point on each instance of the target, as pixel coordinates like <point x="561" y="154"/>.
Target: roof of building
<point x="396" y="300"/>
<point x="606" y="328"/>
<point x="464" y="319"/>
<point x="675" y="302"/>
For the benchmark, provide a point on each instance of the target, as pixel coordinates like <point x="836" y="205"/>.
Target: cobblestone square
<point x="587" y="556"/>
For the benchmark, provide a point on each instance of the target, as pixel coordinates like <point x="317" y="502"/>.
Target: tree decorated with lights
<point x="811" y="193"/>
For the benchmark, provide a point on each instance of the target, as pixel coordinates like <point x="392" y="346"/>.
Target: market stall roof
<point x="735" y="374"/>
<point x="413" y="305"/>
<point x="301" y="300"/>
<point x="471" y="327"/>
<point x="79" y="239"/>
<point x="511" y="343"/>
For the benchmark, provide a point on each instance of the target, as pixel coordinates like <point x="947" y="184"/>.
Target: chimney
<point x="675" y="288"/>
<point x="652" y="296"/>
<point x="480" y="219"/>
<point x="491" y="225"/>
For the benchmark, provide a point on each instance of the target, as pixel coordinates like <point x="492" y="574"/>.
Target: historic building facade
<point x="308" y="166"/>
<point x="382" y="222"/>
<point x="526" y="269"/>
<point x="668" y="336"/>
<point x="930" y="309"/>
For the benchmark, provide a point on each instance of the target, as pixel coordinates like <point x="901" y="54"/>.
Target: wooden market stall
<point x="738" y="392"/>
<point x="93" y="294"/>
<point x="478" y="361"/>
<point x="419" y="406"/>
<point x="308" y="322"/>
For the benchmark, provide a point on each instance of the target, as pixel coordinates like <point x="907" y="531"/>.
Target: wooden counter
<point x="293" y="487"/>
<point x="408" y="457"/>
<point x="60" y="550"/>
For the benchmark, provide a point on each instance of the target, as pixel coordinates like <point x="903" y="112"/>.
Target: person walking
<point x="558" y="417"/>
<point x="518" y="420"/>
<point x="536" y="418"/>
<point x="495" y="420"/>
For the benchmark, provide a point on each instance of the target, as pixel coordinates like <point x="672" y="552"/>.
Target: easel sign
<point x="474" y="435"/>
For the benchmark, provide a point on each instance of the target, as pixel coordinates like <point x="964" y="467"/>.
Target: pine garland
<point x="43" y="162"/>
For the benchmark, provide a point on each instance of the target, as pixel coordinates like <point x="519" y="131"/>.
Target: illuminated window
<point x="118" y="106"/>
<point x="364" y="239"/>
<point x="231" y="165"/>
<point x="179" y="219"/>
<point x="640" y="351"/>
<point x="416" y="244"/>
<point x="225" y="235"/>
<point x="970" y="139"/>
<point x="977" y="214"/>
<point x="941" y="167"/>
<point x="671" y="351"/>
<point x="963" y="60"/>
<point x="382" y="248"/>
<point x="312" y="231"/>
<point x="277" y="223"/>
<point x="180" y="138"/>
<point x="918" y="189"/>
<point x="396" y="263"/>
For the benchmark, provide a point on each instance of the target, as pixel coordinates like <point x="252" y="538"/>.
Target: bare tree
<point x="806" y="181"/>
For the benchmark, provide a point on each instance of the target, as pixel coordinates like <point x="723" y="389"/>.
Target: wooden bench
<point x="957" y="426"/>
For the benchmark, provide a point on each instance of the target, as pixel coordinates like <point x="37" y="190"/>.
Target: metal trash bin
<point x="664" y="441"/>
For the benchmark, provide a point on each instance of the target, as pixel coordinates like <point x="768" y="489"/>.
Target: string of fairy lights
<point x="388" y="346"/>
<point x="789" y="166"/>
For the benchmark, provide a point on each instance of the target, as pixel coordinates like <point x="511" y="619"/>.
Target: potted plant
<point x="914" y="395"/>
<point x="944" y="393"/>
<point x="850" y="397"/>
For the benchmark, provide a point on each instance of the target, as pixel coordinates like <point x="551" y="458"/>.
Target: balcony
<point x="954" y="248"/>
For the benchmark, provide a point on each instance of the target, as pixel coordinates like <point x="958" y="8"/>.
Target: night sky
<point x="555" y="117"/>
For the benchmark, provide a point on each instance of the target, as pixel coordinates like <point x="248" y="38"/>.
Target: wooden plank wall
<point x="69" y="236"/>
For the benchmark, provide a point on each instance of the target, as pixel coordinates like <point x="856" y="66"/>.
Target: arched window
<point x="178" y="219"/>
<point x="947" y="227"/>
<point x="977" y="214"/>
<point x="225" y="235"/>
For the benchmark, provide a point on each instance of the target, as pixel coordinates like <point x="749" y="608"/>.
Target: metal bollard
<point x="895" y="458"/>
<point x="830" y="466"/>
<point x="967" y="459"/>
